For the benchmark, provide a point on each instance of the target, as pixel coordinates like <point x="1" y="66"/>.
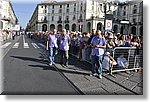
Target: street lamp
<point x="105" y="8"/>
<point x="92" y="17"/>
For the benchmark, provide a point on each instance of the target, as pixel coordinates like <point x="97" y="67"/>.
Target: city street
<point x="26" y="72"/>
<point x="99" y="45"/>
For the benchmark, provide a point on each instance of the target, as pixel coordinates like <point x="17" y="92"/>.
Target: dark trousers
<point x="13" y="37"/>
<point x="64" y="56"/>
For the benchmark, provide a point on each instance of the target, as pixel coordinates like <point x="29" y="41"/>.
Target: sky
<point x="24" y="9"/>
<point x="23" y="12"/>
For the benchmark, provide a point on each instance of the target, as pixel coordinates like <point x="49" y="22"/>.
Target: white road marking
<point x="4" y="53"/>
<point x="23" y="40"/>
<point x="16" y="45"/>
<point x="5" y="45"/>
<point x="35" y="45"/>
<point x="26" y="45"/>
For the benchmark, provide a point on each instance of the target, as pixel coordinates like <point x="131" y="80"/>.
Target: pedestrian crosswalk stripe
<point x="16" y="45"/>
<point x="26" y="45"/>
<point x="35" y="45"/>
<point x="5" y="45"/>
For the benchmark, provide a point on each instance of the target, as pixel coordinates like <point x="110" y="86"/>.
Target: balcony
<point x="6" y="19"/>
<point x="80" y="20"/>
<point x="59" y="21"/>
<point x="44" y="21"/>
<point x="41" y="21"/>
<point x="74" y="18"/>
<point x="66" y="21"/>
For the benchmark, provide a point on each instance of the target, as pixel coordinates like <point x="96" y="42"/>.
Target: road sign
<point x="108" y="25"/>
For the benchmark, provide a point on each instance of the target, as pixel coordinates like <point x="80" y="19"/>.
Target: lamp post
<point x="103" y="8"/>
<point x="92" y="20"/>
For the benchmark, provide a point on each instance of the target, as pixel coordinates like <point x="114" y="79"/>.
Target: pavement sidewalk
<point x="122" y="83"/>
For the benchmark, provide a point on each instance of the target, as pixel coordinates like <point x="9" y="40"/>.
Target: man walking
<point x="64" y="48"/>
<point x="13" y="35"/>
<point x="98" y="45"/>
<point x="52" y="47"/>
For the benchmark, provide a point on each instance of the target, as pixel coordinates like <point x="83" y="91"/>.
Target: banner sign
<point x="108" y="25"/>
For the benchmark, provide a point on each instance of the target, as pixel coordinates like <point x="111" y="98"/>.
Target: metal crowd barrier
<point x="133" y="57"/>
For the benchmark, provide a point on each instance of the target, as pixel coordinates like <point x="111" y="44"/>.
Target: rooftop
<point x="57" y="3"/>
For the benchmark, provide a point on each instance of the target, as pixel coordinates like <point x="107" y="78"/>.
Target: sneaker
<point x="91" y="74"/>
<point x="50" y="64"/>
<point x="100" y="76"/>
<point x="95" y="74"/>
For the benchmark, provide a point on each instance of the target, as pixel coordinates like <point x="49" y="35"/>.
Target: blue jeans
<point x="88" y="52"/>
<point x="97" y="60"/>
<point x="52" y="54"/>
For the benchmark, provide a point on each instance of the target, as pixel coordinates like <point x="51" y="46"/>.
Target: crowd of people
<point x="4" y="35"/>
<point x="7" y="34"/>
<point x="80" y="42"/>
<point x="86" y="46"/>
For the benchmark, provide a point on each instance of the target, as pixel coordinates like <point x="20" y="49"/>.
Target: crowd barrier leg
<point x="129" y="55"/>
<point x="112" y="63"/>
<point x="137" y="64"/>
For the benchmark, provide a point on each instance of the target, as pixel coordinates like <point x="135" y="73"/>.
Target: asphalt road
<point x="26" y="72"/>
